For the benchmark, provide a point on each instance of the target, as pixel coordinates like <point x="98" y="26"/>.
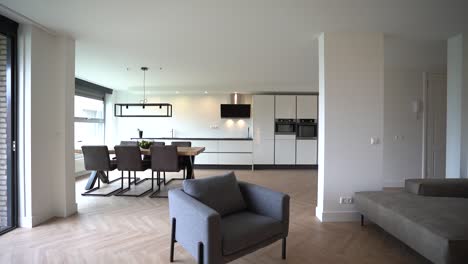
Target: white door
<point x="436" y="112"/>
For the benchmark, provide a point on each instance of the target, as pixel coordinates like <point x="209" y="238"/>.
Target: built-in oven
<point x="285" y="126"/>
<point x="306" y="129"/>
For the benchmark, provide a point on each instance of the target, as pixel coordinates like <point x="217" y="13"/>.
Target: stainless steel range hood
<point x="236" y="109"/>
<point x="237" y="98"/>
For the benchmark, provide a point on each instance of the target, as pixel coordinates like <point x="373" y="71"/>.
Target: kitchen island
<point x="221" y="152"/>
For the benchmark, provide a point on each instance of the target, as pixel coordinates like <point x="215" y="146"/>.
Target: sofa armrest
<point x="266" y="202"/>
<point x="196" y="222"/>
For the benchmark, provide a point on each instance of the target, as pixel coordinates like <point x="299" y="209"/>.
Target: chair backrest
<point x="181" y="143"/>
<point x="164" y="158"/>
<point x="128" y="143"/>
<point x="96" y="158"/>
<point x="128" y="158"/>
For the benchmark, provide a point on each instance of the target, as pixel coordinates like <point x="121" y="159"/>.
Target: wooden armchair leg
<point x="283" y="254"/>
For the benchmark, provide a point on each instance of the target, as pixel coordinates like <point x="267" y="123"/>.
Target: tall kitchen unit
<point x="306" y="147"/>
<point x="285" y="142"/>
<point x="263" y="117"/>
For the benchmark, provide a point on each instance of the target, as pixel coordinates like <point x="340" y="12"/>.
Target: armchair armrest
<point x="196" y="222"/>
<point x="266" y="202"/>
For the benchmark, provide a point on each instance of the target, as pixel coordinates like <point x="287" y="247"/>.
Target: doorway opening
<point x="434" y="125"/>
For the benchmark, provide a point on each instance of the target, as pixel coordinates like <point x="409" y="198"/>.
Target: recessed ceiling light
<point x="206" y="92"/>
<point x="177" y="92"/>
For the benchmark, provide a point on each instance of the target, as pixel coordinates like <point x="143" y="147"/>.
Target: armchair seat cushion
<point x="245" y="229"/>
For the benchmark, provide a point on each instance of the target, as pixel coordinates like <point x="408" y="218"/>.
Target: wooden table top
<point x="181" y="151"/>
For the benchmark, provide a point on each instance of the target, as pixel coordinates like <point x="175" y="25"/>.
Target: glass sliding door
<point x="8" y="205"/>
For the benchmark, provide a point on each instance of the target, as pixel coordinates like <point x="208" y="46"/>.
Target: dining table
<point x="189" y="153"/>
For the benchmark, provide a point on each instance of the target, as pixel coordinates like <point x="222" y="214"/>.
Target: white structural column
<point x="457" y="107"/>
<point x="351" y="72"/>
<point x="45" y="135"/>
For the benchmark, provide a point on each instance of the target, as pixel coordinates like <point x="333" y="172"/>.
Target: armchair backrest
<point x="221" y="193"/>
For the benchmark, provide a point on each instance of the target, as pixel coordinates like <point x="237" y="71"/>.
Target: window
<point x="89" y="122"/>
<point x="8" y="124"/>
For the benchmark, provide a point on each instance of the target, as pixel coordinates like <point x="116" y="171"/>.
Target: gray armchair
<point x="218" y="220"/>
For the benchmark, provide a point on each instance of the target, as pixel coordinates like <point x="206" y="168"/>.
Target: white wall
<point x="351" y="111"/>
<point x="405" y="62"/>
<point x="192" y="116"/>
<point x="46" y="164"/>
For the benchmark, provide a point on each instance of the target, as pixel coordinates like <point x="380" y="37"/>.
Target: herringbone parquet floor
<point x="137" y="230"/>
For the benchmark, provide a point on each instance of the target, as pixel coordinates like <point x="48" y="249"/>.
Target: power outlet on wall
<point x="346" y="200"/>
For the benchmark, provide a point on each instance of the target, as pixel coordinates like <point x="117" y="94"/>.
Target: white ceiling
<point x="243" y="45"/>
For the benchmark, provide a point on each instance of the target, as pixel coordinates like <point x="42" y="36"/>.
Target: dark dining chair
<point x="129" y="159"/>
<point x="128" y="143"/>
<point x="163" y="158"/>
<point x="96" y="158"/>
<point x="183" y="160"/>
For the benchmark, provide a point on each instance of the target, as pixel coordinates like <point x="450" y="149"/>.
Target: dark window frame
<point x="9" y="28"/>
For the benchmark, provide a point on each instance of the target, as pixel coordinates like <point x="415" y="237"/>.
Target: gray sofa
<point x="218" y="219"/>
<point x="430" y="216"/>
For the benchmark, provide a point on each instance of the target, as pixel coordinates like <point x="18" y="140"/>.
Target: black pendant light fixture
<point x="147" y="109"/>
<point x="144" y="101"/>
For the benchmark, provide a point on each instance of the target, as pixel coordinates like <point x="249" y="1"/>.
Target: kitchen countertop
<point x="189" y="138"/>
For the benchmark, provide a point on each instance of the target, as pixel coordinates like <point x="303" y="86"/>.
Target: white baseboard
<point x="337" y="216"/>
<point x="30" y="222"/>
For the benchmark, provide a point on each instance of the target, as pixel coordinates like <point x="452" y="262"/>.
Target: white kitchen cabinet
<point x="235" y="146"/>
<point x="285" y="107"/>
<point x="235" y="158"/>
<point x="264" y="152"/>
<point x="307" y="107"/>
<point x="285" y="151"/>
<point x="210" y="145"/>
<point x="306" y="152"/>
<point x="263" y="117"/>
<point x="206" y="159"/>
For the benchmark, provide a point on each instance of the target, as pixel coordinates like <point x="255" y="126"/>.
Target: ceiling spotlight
<point x="206" y="92"/>
<point x="177" y="92"/>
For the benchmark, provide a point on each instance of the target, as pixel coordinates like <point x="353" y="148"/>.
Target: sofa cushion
<point x="245" y="229"/>
<point x="221" y="193"/>
<point x="438" y="187"/>
<point x="436" y="227"/>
